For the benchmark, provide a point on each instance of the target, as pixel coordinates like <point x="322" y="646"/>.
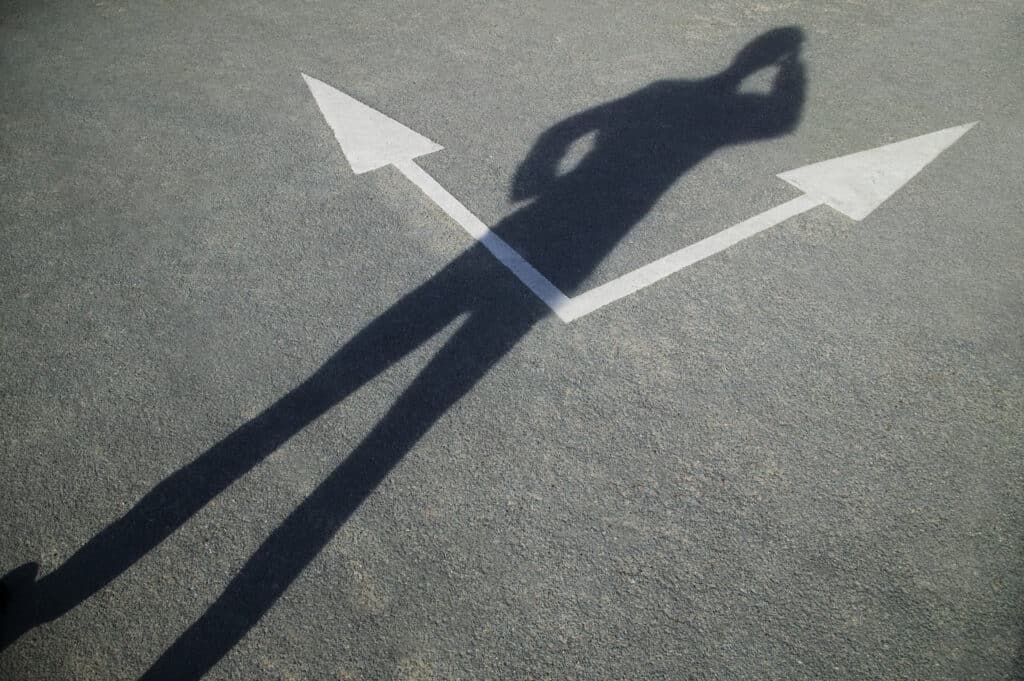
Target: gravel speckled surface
<point x="799" y="459"/>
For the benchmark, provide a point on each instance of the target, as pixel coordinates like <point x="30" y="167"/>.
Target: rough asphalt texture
<point x="800" y="459"/>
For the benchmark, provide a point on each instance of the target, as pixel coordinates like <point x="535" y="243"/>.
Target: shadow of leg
<point x="481" y="342"/>
<point x="166" y="507"/>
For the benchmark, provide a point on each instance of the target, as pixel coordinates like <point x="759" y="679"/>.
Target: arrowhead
<point x="368" y="138"/>
<point x="858" y="183"/>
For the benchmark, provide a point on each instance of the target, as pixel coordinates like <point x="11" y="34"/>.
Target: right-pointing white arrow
<point x="854" y="185"/>
<point x="857" y="184"/>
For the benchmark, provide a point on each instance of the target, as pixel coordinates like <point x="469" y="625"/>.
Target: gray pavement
<point x="798" y="459"/>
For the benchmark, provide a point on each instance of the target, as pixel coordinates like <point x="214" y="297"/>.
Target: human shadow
<point x="643" y="143"/>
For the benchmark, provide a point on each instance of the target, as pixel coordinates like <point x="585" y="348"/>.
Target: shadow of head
<point x="774" y="48"/>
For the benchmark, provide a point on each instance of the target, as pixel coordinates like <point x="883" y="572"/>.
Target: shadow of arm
<point x="778" y="112"/>
<point x="540" y="168"/>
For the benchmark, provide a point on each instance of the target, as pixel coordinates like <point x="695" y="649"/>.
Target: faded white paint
<point x="527" y="273"/>
<point x="854" y="185"/>
<point x="858" y="183"/>
<point x="368" y="138"/>
<point x="642" y="277"/>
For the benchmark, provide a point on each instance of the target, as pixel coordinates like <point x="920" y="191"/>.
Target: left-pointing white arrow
<point x="854" y="185"/>
<point x="368" y="138"/>
<point x="857" y="184"/>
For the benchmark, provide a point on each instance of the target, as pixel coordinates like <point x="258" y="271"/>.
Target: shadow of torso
<point x="642" y="145"/>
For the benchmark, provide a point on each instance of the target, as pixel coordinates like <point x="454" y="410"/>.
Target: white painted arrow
<point x="857" y="184"/>
<point x="854" y="185"/>
<point x="368" y="138"/>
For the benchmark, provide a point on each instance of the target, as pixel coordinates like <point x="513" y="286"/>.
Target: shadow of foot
<point x="17" y="602"/>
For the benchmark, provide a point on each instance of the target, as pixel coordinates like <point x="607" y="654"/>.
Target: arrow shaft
<point x="568" y="309"/>
<point x="527" y="273"/>
<point x="642" y="277"/>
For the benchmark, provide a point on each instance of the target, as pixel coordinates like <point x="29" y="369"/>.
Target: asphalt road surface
<point x="264" y="418"/>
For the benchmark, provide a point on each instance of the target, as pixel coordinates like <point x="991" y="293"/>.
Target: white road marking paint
<point x="527" y="273"/>
<point x="858" y="183"/>
<point x="854" y="185"/>
<point x="368" y="138"/>
<point x="640" y="278"/>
